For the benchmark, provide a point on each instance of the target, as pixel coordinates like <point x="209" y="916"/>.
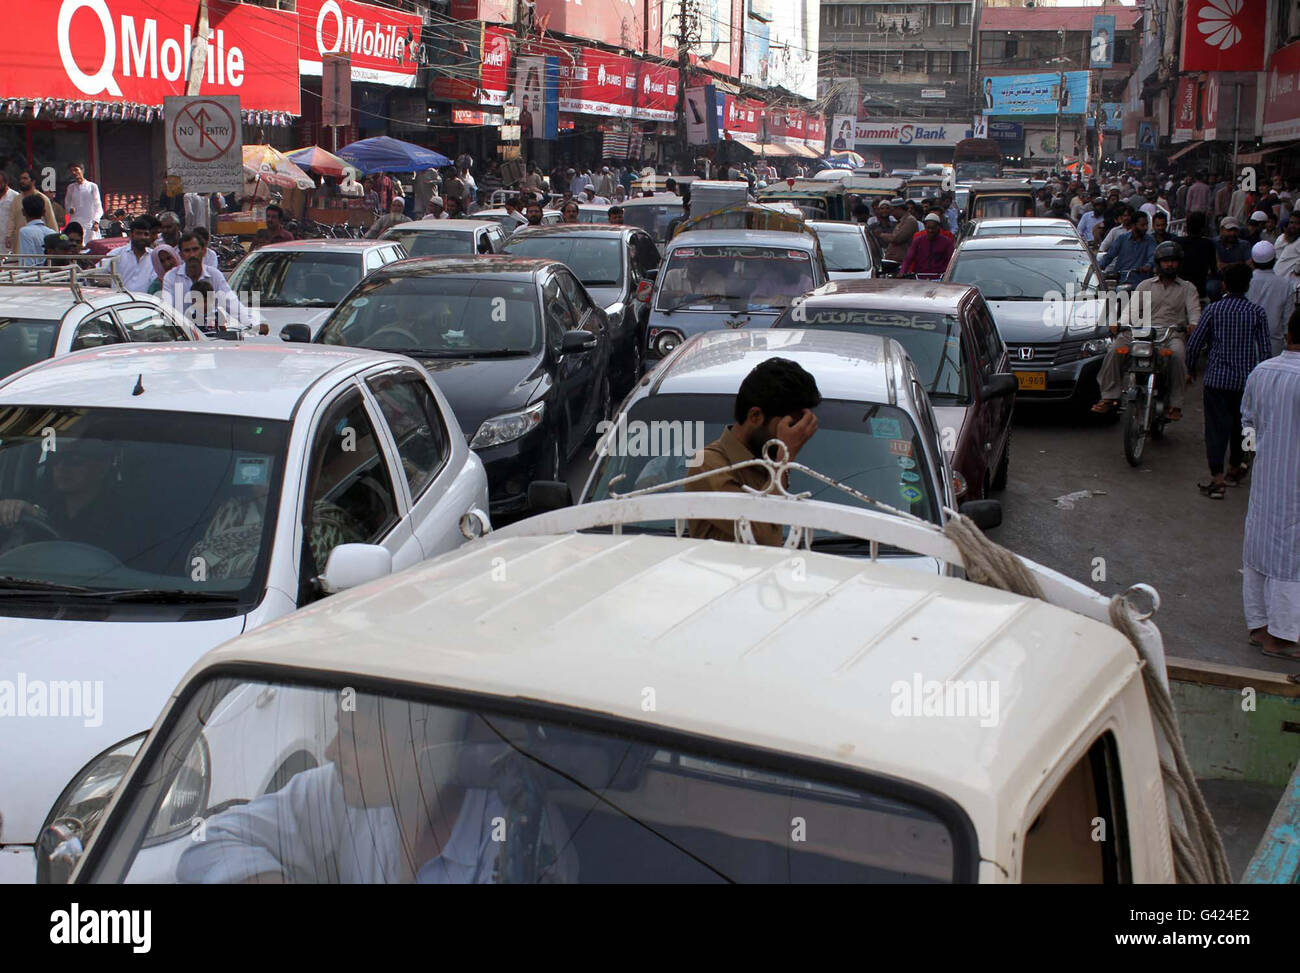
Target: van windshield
<point x="736" y="278"/>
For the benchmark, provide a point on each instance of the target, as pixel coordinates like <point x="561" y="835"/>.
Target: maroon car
<point x="949" y="334"/>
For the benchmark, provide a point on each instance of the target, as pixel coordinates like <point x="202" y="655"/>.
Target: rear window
<point x="24" y="342"/>
<point x="432" y="243"/>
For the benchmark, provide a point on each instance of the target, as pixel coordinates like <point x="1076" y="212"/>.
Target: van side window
<point x="1081" y="834"/>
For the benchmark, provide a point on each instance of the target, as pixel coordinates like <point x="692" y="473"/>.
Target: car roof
<point x="1039" y="242"/>
<point x="328" y="245"/>
<point x="231" y="378"/>
<point x="856" y="367"/>
<point x="568" y="229"/>
<point x="733" y="654"/>
<point x="764" y="238"/>
<point x="892" y="294"/>
<point x="1026" y="221"/>
<point x="50" y="302"/>
<point x="501" y="265"/>
<point x="1000" y="185"/>
<point x="465" y="225"/>
<point x="658" y="199"/>
<point x="834" y="226"/>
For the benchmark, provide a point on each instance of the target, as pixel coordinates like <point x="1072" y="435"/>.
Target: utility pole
<point x="1060" y="98"/>
<point x="198" y="51"/>
<point x="688" y="29"/>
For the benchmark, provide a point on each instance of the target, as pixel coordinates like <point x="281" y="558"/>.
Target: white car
<point x="301" y="281"/>
<point x="49" y="312"/>
<point x="156" y="501"/>
<point x="436" y="238"/>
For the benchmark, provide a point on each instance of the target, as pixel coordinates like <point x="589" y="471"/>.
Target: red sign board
<point x="742" y="116"/>
<point x="383" y="43"/>
<point x="1282" y="95"/>
<point x="138" y="51"/>
<point x="656" y="92"/>
<point x="1185" y="110"/>
<point x="599" y="83"/>
<point x="815" y="130"/>
<point x="496" y="64"/>
<point x="1224" y="35"/>
<point x="1210" y="109"/>
<point x="491" y="11"/>
<point x="616" y="22"/>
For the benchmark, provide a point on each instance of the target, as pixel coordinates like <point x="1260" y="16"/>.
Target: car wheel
<point x="1000" y="477"/>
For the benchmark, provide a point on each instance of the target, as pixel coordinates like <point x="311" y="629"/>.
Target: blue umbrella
<point x="384" y="154"/>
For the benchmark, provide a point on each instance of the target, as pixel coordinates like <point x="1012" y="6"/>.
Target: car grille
<point x="1046" y="352"/>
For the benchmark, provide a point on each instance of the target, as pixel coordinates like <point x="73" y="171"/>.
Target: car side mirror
<point x="985" y="513"/>
<point x="296" y="332"/>
<point x="999" y="385"/>
<point x="577" y="341"/>
<point x="544" y="495"/>
<point x="351" y="565"/>
<point x="889" y="268"/>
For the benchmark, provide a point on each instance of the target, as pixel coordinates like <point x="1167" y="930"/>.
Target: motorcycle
<point x="1145" y="399"/>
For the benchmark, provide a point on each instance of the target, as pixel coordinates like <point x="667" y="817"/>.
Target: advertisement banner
<point x="814" y="131"/>
<point x="615" y="22"/>
<point x="1101" y="50"/>
<point x="898" y="133"/>
<point x="455" y="46"/>
<point x="743" y="117"/>
<point x="205" y="147"/>
<point x="1005" y="131"/>
<point x="1112" y="117"/>
<point x="491" y="11"/>
<point x="384" y="43"/>
<point x="496" y="64"/>
<point x="1040" y="143"/>
<point x="599" y="83"/>
<point x="656" y="93"/>
<point x="1185" y="110"/>
<point x="702" y="115"/>
<point x="137" y="51"/>
<point x="1281" y="95"/>
<point x="1036" y="94"/>
<point x="842" y="136"/>
<point x="755" y="46"/>
<point x="713" y="49"/>
<point x="1210" y="110"/>
<point x="537" y="96"/>
<point x="792" y="47"/>
<point x="1224" y="35"/>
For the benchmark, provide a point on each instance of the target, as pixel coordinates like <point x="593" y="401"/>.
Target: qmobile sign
<point x="383" y="43"/>
<point x="138" y="51"/>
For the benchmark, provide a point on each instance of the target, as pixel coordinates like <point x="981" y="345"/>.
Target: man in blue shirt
<point x="1088" y="221"/>
<point x="1235" y="333"/>
<point x="31" y="238"/>
<point x="1134" y="254"/>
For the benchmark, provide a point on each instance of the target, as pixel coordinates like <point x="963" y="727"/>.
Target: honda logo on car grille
<point x="1026" y="354"/>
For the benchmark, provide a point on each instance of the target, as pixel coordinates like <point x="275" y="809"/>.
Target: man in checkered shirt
<point x="1235" y="333"/>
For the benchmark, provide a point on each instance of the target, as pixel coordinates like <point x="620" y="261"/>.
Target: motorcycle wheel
<point x="1135" y="437"/>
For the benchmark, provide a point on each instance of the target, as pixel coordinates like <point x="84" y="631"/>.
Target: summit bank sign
<point x="909" y="134"/>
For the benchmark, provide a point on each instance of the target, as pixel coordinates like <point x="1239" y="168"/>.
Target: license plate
<point x="1035" y="381"/>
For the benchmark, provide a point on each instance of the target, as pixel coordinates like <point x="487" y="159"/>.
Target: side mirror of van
<point x="999" y="385"/>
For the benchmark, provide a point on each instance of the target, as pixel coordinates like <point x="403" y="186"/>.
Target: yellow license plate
<point x="1035" y="381"/>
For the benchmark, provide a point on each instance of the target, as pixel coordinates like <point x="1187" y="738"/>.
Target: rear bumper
<point x="1063" y="381"/>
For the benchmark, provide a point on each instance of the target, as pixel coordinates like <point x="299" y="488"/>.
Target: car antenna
<point x="139" y="385"/>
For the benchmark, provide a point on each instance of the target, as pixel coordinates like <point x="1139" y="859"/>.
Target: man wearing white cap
<point x="605" y="183"/>
<point x="436" y="209"/>
<point x="394" y="216"/>
<point x="1276" y="295"/>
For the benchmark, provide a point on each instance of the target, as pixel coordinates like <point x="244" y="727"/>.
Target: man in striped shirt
<point x="1270" y="556"/>
<point x="1235" y="333"/>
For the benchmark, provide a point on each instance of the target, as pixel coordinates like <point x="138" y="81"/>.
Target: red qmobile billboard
<point x="137" y="51"/>
<point x="615" y="22"/>
<point x="383" y="43"/>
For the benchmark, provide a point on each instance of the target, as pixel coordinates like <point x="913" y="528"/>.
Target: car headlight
<point x="509" y="427"/>
<point x="665" y="342"/>
<point x="1097" y="346"/>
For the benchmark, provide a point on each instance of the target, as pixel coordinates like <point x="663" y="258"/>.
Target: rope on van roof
<point x="1199" y="857"/>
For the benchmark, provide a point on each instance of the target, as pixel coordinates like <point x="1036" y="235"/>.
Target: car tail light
<point x="959" y="486"/>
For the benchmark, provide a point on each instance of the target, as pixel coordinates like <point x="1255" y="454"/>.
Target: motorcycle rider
<point x="1174" y="303"/>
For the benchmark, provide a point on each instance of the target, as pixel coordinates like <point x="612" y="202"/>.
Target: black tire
<point x="1134" y="437"/>
<point x="1000" y="476"/>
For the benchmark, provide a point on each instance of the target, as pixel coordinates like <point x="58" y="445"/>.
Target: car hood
<point x="277" y="317"/>
<point x="606" y="297"/>
<point x="1035" y="322"/>
<point x="849" y="274"/>
<point x="481" y="388"/>
<point x="131" y="668"/>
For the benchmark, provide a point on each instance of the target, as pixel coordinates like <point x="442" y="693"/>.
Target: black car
<point x="612" y="263"/>
<point x="516" y="344"/>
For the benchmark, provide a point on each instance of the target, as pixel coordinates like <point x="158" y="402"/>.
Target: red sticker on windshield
<point x="900" y="447"/>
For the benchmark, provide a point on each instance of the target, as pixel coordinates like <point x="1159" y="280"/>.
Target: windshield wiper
<point x="166" y="596"/>
<point x="15" y="586"/>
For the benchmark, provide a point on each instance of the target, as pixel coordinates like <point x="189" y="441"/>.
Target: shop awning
<point x="745" y="144"/>
<point x="1184" y="150"/>
<point x="778" y="150"/>
<point x="806" y="150"/>
<point x="1255" y="158"/>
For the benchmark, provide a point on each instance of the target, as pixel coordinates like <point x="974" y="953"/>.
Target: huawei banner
<point x="599" y="83"/>
<point x="1281" y="96"/>
<point x="1224" y="35"/>
<point x="137" y="51"/>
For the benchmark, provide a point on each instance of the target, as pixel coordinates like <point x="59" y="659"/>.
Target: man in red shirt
<point x="276" y="231"/>
<point x="929" y="252"/>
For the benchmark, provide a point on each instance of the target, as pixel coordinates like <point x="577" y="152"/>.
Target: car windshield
<point x="398" y="788"/>
<point x="734" y="278"/>
<point x="1020" y="229"/>
<point x="1023" y="275"/>
<point x="844" y="251"/>
<point x="873" y="448"/>
<point x="597" y="261"/>
<point x="457" y="317"/>
<point x="652" y="217"/>
<point x="431" y="243"/>
<point x="294" y="278"/>
<point x="967" y="171"/>
<point x="1003" y="206"/>
<point x="77" y="479"/>
<point x="933" y="341"/>
<point x="24" y="342"/>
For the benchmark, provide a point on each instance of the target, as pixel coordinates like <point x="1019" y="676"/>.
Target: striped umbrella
<point x="318" y="159"/>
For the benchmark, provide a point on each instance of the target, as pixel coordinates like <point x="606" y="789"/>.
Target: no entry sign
<point x="204" y="146"/>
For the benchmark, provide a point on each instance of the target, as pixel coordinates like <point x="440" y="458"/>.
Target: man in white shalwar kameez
<point x="83" y="203"/>
<point x="1270" y="556"/>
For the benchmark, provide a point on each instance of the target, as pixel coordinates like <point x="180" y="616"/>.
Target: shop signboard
<point x="1065" y="93"/>
<point x="384" y="43"/>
